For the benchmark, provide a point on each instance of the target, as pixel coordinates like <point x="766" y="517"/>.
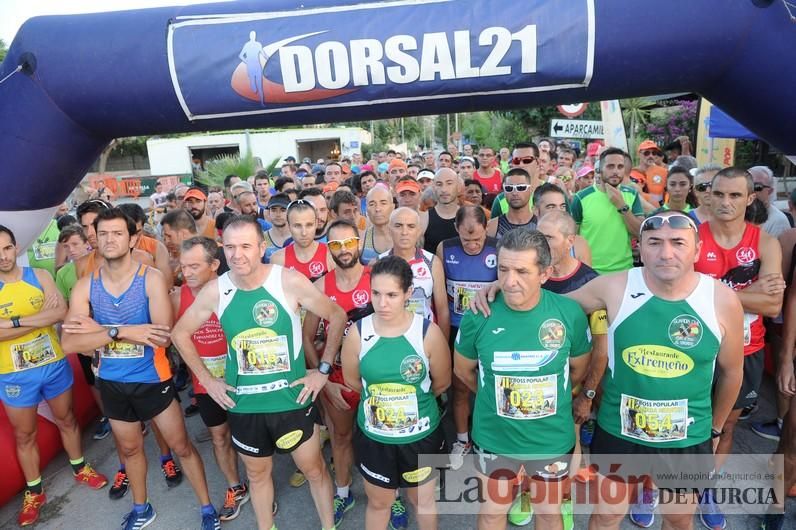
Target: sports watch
<point x="113" y="332"/>
<point x="590" y="393"/>
<point x="325" y="368"/>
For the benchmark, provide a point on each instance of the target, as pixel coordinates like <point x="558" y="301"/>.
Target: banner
<point x="613" y="125"/>
<point x="386" y="52"/>
<point x="712" y="150"/>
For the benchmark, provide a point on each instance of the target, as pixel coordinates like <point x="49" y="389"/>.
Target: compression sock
<point x="34" y="486"/>
<point x="208" y="509"/>
<point x="77" y="465"/>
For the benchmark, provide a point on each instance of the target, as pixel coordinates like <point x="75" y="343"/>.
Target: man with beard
<point x="195" y="203"/>
<point x="32" y="369"/>
<point x="608" y="214"/>
<point x="277" y="236"/>
<point x="305" y="255"/>
<point x="517" y="187"/>
<point x="247" y="205"/>
<point x="316" y="198"/>
<point x="348" y="285"/>
<point x="123" y="310"/>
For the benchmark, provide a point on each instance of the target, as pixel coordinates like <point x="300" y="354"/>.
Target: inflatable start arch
<point x="87" y="79"/>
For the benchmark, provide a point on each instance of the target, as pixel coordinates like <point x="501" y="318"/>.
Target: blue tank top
<point x="465" y="275"/>
<point x="369" y="252"/>
<point x="124" y="362"/>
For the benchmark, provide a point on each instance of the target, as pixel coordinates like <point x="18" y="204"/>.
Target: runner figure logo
<point x="265" y="313"/>
<point x="552" y="334"/>
<point x="745" y="255"/>
<point x="490" y="261"/>
<point x="685" y="331"/>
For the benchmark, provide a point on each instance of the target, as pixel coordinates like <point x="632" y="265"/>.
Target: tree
<point x="636" y="114"/>
<point x="3" y="50"/>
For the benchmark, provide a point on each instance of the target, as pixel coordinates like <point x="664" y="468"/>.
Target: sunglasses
<point x="676" y="221"/>
<point x="761" y="187"/>
<point x="637" y="181"/>
<point x="525" y="160"/>
<point x="510" y="188"/>
<point x="651" y="153"/>
<point x="336" y="245"/>
<point x="299" y="202"/>
<point x="702" y="187"/>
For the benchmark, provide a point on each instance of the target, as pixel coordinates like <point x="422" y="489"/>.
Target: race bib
<point x="391" y="410"/>
<point x="748" y="320"/>
<point x="44" y="251"/>
<point x="462" y="293"/>
<point x="654" y="421"/>
<point x="526" y="398"/>
<point x="261" y="352"/>
<point x="417" y="303"/>
<point x="122" y="350"/>
<point x="215" y="365"/>
<point x="32" y="353"/>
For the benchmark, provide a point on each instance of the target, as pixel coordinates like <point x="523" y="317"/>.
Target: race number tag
<point x="417" y="303"/>
<point x="215" y="365"/>
<point x="462" y="293"/>
<point x="526" y="398"/>
<point x="654" y="421"/>
<point x="122" y="350"/>
<point x="44" y="251"/>
<point x="32" y="353"/>
<point x="261" y="352"/>
<point x="391" y="410"/>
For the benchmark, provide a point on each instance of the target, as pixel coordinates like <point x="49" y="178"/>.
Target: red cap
<point x="405" y="185"/>
<point x="648" y="144"/>
<point x="195" y="193"/>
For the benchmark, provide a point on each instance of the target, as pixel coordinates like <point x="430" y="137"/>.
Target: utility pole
<point x="448" y="125"/>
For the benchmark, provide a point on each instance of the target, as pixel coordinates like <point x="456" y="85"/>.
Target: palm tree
<point x="635" y="112"/>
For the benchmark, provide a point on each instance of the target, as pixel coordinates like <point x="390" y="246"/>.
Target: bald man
<point x="447" y="185"/>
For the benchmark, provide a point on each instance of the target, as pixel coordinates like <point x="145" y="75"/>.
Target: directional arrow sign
<point x="576" y="129"/>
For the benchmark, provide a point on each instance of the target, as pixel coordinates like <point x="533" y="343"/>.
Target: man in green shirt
<point x="520" y="361"/>
<point x="608" y="213"/>
<point x="41" y="253"/>
<point x="75" y="244"/>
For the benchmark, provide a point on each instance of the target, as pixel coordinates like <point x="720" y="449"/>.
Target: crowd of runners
<point x="558" y="309"/>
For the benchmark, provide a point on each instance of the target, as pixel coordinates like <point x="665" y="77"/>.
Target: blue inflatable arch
<point x="87" y="79"/>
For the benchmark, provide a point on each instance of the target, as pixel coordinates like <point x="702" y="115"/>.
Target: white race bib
<point x="526" y="398"/>
<point x="260" y="352"/>
<point x="391" y="410"/>
<point x="32" y="353"/>
<point x="215" y="365"/>
<point x="654" y="420"/>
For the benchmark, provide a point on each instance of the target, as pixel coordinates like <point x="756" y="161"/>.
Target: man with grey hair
<point x="521" y="363"/>
<point x="766" y="191"/>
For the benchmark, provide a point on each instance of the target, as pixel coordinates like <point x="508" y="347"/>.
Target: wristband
<point x="715" y="434"/>
<point x="15" y="322"/>
<point x="623" y="209"/>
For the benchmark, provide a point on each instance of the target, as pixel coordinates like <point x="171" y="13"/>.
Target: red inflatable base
<point x="48" y="437"/>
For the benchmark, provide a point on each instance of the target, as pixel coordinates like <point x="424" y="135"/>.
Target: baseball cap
<point x="306" y="160"/>
<point x="290" y="159"/>
<point x="648" y="144"/>
<point x="397" y="162"/>
<point x="195" y="193"/>
<point x="332" y="186"/>
<point x="366" y="167"/>
<point x="278" y="201"/>
<point x="585" y="170"/>
<point x="383" y="167"/>
<point x="407" y="185"/>
<point x="425" y="174"/>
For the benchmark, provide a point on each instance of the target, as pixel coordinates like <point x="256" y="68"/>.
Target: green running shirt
<point x="661" y="359"/>
<point x="397" y="405"/>
<point x="264" y="349"/>
<point x="523" y="405"/>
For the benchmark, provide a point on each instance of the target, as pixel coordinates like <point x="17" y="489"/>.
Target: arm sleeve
<point x="598" y="322"/>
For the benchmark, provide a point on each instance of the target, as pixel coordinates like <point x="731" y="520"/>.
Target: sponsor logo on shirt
<point x="685" y="331"/>
<point x="745" y="255"/>
<point x="654" y="360"/>
<point x="552" y="334"/>
<point x="265" y="313"/>
<point x="490" y="261"/>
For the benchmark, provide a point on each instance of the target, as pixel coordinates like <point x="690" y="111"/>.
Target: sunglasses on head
<point x="509" y="188"/>
<point x="350" y="243"/>
<point x="650" y="152"/>
<point x="702" y="187"/>
<point x="524" y="160"/>
<point x="298" y="202"/>
<point x="760" y="187"/>
<point x="676" y="221"/>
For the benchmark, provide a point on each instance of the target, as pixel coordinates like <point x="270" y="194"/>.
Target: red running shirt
<point x="209" y="340"/>
<point x="314" y="268"/>
<point x="737" y="268"/>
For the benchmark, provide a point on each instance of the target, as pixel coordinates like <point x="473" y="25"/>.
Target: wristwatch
<point x="623" y="209"/>
<point x="589" y="393"/>
<point x="715" y="434"/>
<point x="113" y="332"/>
<point x="325" y="368"/>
